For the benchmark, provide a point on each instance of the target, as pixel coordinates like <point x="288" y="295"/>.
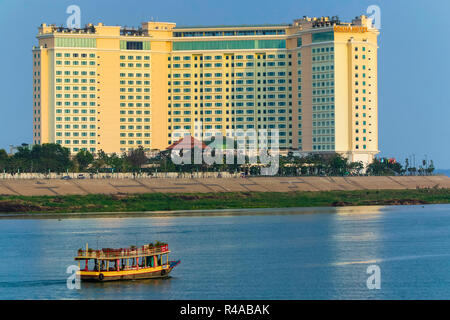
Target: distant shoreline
<point x="445" y="172"/>
<point x="198" y="213"/>
<point x="167" y="203"/>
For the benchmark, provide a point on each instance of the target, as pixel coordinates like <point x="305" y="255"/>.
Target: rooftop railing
<point x="123" y="252"/>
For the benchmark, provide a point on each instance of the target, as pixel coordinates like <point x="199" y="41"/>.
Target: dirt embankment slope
<point x="54" y="187"/>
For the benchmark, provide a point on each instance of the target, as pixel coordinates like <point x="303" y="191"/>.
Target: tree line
<point x="51" y="157"/>
<point x="55" y="158"/>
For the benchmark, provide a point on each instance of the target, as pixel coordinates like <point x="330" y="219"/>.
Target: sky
<point x="413" y="63"/>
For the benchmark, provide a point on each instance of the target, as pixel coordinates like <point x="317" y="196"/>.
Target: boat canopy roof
<point x="122" y="253"/>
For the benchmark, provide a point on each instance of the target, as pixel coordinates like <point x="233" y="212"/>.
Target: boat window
<point x="159" y="260"/>
<point x="149" y="261"/>
<point x="113" y="265"/>
<point x="102" y="265"/>
<point x="90" y="265"/>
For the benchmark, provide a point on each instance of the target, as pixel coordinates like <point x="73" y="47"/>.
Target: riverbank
<point x="152" y="202"/>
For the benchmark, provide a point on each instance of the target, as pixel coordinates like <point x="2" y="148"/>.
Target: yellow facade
<point x="113" y="89"/>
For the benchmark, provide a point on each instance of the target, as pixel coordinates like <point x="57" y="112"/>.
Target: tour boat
<point x="145" y="262"/>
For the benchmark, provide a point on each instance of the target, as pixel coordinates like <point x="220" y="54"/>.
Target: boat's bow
<point x="173" y="264"/>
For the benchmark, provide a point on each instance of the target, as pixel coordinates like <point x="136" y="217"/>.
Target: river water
<point x="319" y="253"/>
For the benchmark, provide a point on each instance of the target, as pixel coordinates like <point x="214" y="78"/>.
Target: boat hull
<point x="133" y="276"/>
<point x="136" y="274"/>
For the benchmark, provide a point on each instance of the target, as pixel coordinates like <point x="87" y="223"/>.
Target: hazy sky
<point x="413" y="64"/>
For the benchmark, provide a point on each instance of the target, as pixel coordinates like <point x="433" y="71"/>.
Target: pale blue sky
<point x="414" y="93"/>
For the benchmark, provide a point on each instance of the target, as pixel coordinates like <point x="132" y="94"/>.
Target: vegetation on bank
<point x="230" y="200"/>
<point x="55" y="158"/>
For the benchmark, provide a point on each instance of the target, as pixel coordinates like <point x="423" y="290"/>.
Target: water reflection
<point x="360" y="212"/>
<point x="356" y="245"/>
<point x="172" y="214"/>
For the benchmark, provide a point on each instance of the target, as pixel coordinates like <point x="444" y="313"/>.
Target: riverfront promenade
<point x="51" y="187"/>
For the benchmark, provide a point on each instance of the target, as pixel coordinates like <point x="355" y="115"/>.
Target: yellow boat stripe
<point x="122" y="272"/>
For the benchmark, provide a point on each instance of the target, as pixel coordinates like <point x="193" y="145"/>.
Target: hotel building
<point x="112" y="88"/>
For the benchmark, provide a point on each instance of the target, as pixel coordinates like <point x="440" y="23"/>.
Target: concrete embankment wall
<point x="36" y="187"/>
